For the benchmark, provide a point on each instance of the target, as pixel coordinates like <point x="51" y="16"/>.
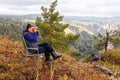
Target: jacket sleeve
<point x="32" y="38"/>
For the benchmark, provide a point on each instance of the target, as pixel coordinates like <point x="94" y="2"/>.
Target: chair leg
<point x="38" y="65"/>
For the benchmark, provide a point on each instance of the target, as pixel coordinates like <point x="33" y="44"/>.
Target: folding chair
<point x="26" y="53"/>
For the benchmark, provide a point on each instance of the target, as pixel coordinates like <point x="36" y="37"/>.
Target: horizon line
<point x="62" y="15"/>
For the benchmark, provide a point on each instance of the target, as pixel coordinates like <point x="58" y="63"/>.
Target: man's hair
<point x="29" y="26"/>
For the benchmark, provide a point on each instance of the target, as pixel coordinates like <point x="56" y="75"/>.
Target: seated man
<point x="31" y="38"/>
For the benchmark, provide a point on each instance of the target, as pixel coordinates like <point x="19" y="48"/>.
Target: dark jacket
<point x="31" y="39"/>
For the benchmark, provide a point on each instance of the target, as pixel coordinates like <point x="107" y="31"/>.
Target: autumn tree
<point x="104" y="39"/>
<point x="52" y="29"/>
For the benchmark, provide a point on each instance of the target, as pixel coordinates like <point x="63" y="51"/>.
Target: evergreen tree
<point x="115" y="38"/>
<point x="103" y="39"/>
<point x="100" y="41"/>
<point x="52" y="29"/>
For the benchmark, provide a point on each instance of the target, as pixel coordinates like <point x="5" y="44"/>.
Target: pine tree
<point x="104" y="39"/>
<point x="52" y="29"/>
<point x="100" y="41"/>
<point x="115" y="38"/>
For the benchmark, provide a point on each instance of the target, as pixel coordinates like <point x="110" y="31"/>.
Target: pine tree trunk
<point x="107" y="39"/>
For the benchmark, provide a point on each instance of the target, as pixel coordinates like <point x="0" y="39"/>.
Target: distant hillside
<point x="17" y="17"/>
<point x="86" y="42"/>
<point x="90" y="18"/>
<point x="12" y="25"/>
<point x="91" y="27"/>
<point x="81" y="18"/>
<point x="32" y="16"/>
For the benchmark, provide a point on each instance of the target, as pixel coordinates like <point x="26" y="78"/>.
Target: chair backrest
<point x="24" y="45"/>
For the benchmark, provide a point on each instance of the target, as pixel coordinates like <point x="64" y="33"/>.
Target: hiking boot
<point x="58" y="56"/>
<point x="55" y="56"/>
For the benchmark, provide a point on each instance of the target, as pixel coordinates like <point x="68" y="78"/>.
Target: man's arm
<point x="31" y="38"/>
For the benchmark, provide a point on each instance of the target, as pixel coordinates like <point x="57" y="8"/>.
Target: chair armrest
<point x="33" y="48"/>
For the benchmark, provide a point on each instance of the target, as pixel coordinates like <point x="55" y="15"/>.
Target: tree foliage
<point x="11" y="26"/>
<point x="115" y="38"/>
<point x="100" y="41"/>
<point x="103" y="39"/>
<point x="52" y="29"/>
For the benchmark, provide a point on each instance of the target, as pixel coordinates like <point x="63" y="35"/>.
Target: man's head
<point x="30" y="28"/>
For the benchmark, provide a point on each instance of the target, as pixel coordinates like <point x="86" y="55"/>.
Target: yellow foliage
<point x="112" y="56"/>
<point x="111" y="60"/>
<point x="65" y="77"/>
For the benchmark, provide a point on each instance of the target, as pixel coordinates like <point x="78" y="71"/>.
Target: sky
<point x="95" y="8"/>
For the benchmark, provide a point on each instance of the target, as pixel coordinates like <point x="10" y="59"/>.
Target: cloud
<point x="19" y="10"/>
<point x="99" y="8"/>
<point x="25" y="2"/>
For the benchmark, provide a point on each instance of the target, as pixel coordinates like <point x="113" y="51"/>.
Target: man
<point x="31" y="37"/>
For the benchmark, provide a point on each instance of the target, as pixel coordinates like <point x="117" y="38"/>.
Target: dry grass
<point x="111" y="60"/>
<point x="15" y="66"/>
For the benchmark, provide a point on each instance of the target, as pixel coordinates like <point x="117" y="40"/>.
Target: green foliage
<point x="103" y="39"/>
<point x="11" y="26"/>
<point x="52" y="29"/>
<point x="84" y="45"/>
<point x="115" y="38"/>
<point x="100" y="41"/>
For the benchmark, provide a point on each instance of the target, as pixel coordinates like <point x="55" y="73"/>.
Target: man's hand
<point x="35" y="29"/>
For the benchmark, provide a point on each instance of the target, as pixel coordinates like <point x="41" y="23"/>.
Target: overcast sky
<point x="98" y="8"/>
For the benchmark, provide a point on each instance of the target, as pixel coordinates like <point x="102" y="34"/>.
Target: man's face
<point x="31" y="30"/>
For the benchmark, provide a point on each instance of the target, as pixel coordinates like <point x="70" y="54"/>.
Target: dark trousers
<point x="45" y="48"/>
